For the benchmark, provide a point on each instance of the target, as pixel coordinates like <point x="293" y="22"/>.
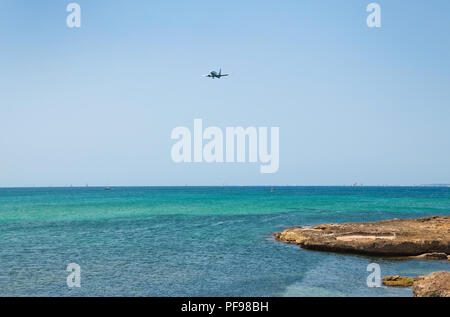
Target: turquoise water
<point x="203" y="241"/>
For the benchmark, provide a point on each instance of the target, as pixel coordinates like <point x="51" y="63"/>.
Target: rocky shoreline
<point x="436" y="284"/>
<point x="422" y="238"/>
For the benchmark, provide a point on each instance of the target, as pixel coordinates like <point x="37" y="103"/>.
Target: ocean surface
<point x="197" y="241"/>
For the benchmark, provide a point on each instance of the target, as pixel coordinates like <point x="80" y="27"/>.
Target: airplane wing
<point x="224" y="75"/>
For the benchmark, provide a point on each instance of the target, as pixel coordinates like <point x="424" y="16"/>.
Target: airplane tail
<point x="220" y="72"/>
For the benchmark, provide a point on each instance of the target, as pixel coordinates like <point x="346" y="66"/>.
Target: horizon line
<point x="216" y="186"/>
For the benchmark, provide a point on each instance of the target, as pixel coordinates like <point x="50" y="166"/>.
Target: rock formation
<point x="425" y="237"/>
<point x="436" y="284"/>
<point x="398" y="281"/>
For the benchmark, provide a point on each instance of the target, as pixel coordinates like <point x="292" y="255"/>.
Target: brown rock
<point x="434" y="285"/>
<point x="399" y="237"/>
<point x="432" y="256"/>
<point x="321" y="227"/>
<point x="398" y="281"/>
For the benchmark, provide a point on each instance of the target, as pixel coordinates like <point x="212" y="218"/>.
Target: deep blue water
<point x="203" y="241"/>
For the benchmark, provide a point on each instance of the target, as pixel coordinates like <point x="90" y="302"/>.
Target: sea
<point x="197" y="241"/>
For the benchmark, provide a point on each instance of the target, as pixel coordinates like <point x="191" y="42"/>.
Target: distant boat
<point x="107" y="188"/>
<point x="272" y="190"/>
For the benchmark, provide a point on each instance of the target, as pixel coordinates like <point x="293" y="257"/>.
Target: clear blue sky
<point x="96" y="105"/>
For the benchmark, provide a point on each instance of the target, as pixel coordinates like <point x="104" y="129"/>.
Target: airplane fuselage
<point x="213" y="74"/>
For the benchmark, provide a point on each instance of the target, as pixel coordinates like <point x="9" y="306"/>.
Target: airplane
<point x="213" y="74"/>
